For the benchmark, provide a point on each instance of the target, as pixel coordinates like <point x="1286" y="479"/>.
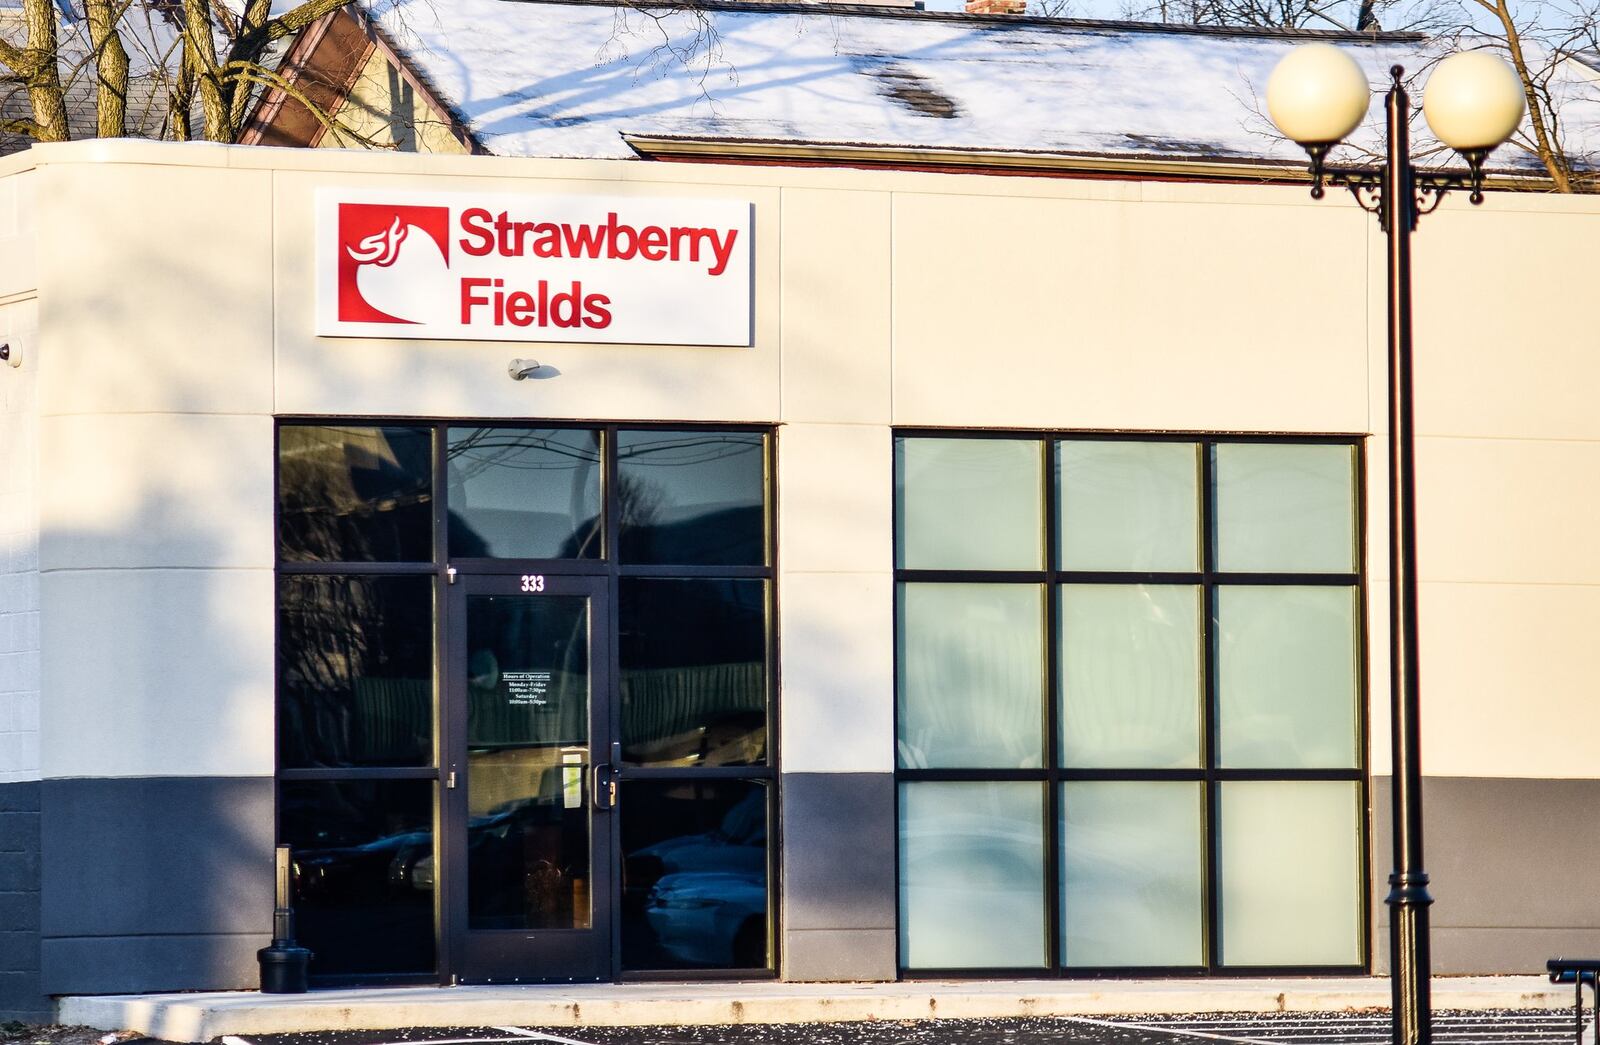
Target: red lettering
<point x="469" y="300"/>
<point x="520" y="308"/>
<point x="652" y="243"/>
<point x="678" y="236"/>
<point x="723" y="249"/>
<point x="546" y="240"/>
<point x="615" y="232"/>
<point x="519" y="232"/>
<point x="599" y="317"/>
<point x="499" y="303"/>
<point x="478" y="240"/>
<point x="566" y="307"/>
<point x="583" y="240"/>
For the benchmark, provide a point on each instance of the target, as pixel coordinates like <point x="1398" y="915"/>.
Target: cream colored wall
<point x="378" y="104"/>
<point x="155" y="402"/>
<point x="882" y="299"/>
<point x="19" y="481"/>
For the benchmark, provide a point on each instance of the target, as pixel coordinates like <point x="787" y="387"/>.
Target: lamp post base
<point x="1410" y="959"/>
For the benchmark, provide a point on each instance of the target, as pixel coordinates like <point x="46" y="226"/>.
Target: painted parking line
<point x="541" y="1036"/>
<point x="1500" y="1029"/>
<point x="1166" y="1029"/>
<point x="509" y="1034"/>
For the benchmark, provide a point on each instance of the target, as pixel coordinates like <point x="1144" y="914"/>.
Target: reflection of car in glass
<point x="354" y="870"/>
<point x="711" y="917"/>
<point x="704" y="896"/>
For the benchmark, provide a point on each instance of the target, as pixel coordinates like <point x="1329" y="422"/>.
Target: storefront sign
<point x="469" y="266"/>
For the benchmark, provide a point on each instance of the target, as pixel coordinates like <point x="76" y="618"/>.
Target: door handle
<point x="603" y="792"/>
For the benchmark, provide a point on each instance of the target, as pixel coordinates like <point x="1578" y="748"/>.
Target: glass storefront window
<point x="1176" y="623"/>
<point x="1132" y="873"/>
<point x="1286" y="676"/>
<point x="694" y="671"/>
<point x="969" y="504"/>
<point x="647" y="549"/>
<point x="1291" y="872"/>
<point x="972" y="875"/>
<point x="971" y="690"/>
<point x="1285" y="508"/>
<point x="355" y="671"/>
<point x="1128" y="505"/>
<point x="1130" y="686"/>
<point x="692" y="498"/>
<point x="355" y="494"/>
<point x="694" y="875"/>
<point x="364" y="872"/>
<point x="524" y="493"/>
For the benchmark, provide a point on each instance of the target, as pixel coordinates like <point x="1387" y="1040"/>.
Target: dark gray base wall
<point x="154" y="883"/>
<point x="838" y="889"/>
<point x="21" y="997"/>
<point x="1515" y="869"/>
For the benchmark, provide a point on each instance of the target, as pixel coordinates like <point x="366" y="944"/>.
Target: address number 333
<point x="533" y="582"/>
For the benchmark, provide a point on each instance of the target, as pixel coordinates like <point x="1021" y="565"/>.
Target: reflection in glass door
<point x="528" y="783"/>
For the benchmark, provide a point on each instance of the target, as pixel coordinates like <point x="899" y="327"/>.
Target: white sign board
<point x="491" y="267"/>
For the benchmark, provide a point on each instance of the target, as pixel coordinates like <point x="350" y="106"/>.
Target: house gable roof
<point x="594" y="78"/>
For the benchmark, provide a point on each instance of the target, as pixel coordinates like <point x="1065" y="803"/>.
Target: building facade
<point x="985" y="578"/>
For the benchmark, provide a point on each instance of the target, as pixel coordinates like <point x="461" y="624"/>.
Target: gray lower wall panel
<point x="154" y="883"/>
<point x="838" y="851"/>
<point x="1515" y="869"/>
<point x="136" y="964"/>
<point x="21" y="996"/>
<point x="838" y="955"/>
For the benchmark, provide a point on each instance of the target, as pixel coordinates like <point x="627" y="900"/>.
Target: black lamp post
<point x="1317" y="96"/>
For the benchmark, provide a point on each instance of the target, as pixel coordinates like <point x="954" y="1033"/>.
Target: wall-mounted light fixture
<point x="10" y="354"/>
<point x="522" y="369"/>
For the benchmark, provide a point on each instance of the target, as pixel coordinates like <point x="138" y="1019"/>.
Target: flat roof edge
<point x="1001" y="161"/>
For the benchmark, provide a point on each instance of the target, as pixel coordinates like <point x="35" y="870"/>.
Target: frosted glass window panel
<point x="1129" y="659"/>
<point x="1291" y="872"/>
<point x="969" y="504"/>
<point x="1128" y="506"/>
<point x="1285" y="508"/>
<point x="1132" y="879"/>
<point x="972" y="887"/>
<point x="971" y="680"/>
<point x="1286" y="677"/>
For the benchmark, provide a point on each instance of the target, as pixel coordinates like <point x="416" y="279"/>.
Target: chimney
<point x="996" y="7"/>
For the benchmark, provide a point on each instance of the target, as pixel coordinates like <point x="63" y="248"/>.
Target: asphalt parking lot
<point x="1450" y="1028"/>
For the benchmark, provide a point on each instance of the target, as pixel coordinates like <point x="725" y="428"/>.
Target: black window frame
<point x="442" y="568"/>
<point x="1209" y="775"/>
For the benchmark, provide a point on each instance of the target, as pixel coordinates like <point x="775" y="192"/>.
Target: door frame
<point x="474" y="956"/>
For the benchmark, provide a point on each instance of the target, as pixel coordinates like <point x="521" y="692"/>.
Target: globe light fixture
<point x="1473" y="102"/>
<point x="1316" y="96"/>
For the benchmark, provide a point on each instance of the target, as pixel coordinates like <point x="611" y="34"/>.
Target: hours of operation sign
<point x="499" y="267"/>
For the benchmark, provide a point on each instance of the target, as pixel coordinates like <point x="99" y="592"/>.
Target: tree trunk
<point x="44" y="77"/>
<point x="1550" y="152"/>
<point x="247" y="48"/>
<point x="201" y="51"/>
<point x="111" y="64"/>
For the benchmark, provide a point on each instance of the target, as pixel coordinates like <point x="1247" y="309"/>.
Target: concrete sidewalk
<point x="204" y="1017"/>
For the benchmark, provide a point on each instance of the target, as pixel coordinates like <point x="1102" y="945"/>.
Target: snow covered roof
<point x="573" y="77"/>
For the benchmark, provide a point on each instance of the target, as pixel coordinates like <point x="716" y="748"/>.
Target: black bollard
<point x="284" y="964"/>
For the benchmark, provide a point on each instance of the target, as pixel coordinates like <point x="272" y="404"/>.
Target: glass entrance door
<point x="529" y="779"/>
